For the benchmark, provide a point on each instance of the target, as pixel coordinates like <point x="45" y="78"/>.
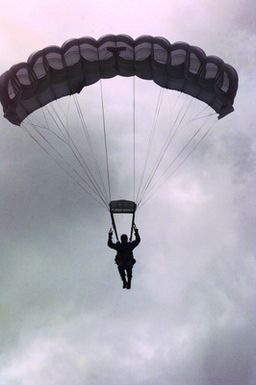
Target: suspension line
<point x="88" y="139"/>
<point x="105" y="139"/>
<point x="134" y="138"/>
<point x="63" y="165"/>
<point x="79" y="157"/>
<point x="150" y="141"/>
<point x="157" y="186"/>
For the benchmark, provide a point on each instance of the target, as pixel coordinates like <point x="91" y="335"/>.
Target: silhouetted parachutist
<point x="124" y="257"/>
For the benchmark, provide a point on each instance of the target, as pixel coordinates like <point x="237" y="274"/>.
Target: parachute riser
<point x="133" y="219"/>
<point x="114" y="225"/>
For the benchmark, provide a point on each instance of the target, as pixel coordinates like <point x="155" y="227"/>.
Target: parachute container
<point x="122" y="207"/>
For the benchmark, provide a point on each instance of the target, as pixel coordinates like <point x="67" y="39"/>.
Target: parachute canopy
<point x="158" y="133"/>
<point x="54" y="72"/>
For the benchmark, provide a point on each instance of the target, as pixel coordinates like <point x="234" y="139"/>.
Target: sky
<point x="190" y="317"/>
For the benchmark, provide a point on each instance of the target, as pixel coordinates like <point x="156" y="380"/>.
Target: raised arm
<point x="137" y="237"/>
<point x="111" y="244"/>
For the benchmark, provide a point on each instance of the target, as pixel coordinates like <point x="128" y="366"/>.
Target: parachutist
<point x="124" y="257"/>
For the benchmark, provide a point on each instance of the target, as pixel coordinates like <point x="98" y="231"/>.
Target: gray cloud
<point x="190" y="316"/>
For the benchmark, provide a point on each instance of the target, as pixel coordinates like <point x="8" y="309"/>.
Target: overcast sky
<point x="190" y="317"/>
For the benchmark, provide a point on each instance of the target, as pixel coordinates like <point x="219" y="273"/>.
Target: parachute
<point x="55" y="72"/>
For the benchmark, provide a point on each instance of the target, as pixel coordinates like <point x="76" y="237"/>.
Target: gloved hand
<point x="110" y="233"/>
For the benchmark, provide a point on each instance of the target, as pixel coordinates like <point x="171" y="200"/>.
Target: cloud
<point x="189" y="318"/>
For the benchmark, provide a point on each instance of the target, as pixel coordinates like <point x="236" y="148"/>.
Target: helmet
<point x="124" y="238"/>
